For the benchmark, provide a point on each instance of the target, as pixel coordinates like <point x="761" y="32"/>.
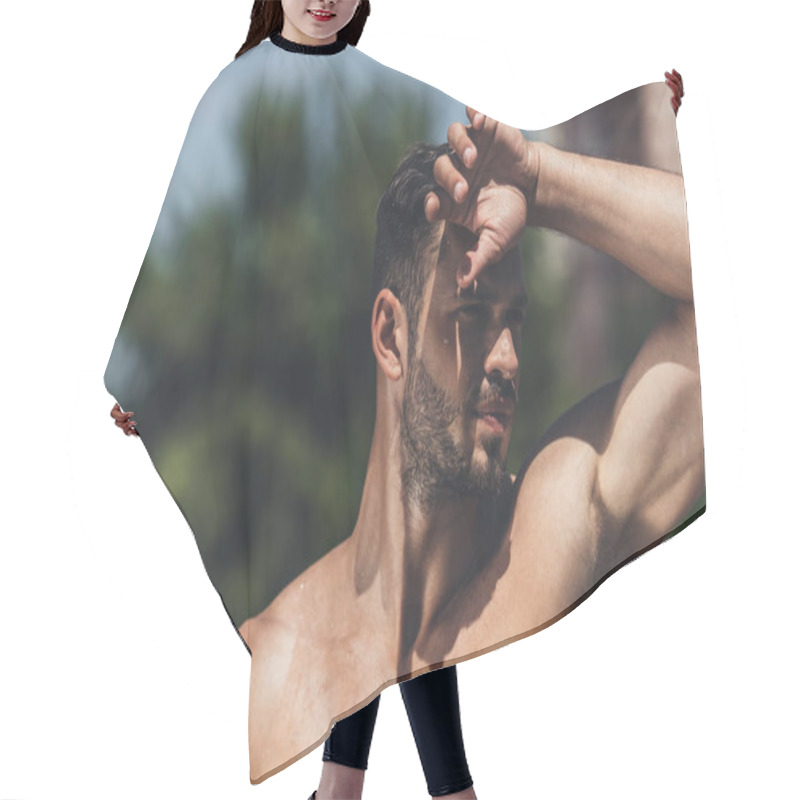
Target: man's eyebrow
<point x="519" y="300"/>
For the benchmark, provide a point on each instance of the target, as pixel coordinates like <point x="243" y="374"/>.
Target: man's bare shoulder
<point x="301" y="606"/>
<point x="560" y="469"/>
<point x="284" y="678"/>
<point x="555" y="524"/>
<point x="303" y="640"/>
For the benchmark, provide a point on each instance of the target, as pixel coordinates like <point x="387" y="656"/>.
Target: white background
<point x="120" y="676"/>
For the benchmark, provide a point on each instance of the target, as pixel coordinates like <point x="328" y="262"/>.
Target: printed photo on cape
<point x="386" y="472"/>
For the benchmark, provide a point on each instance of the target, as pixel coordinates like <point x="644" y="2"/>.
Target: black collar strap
<point x="308" y="49"/>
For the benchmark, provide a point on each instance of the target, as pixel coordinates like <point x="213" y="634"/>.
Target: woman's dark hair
<point x="266" y="18"/>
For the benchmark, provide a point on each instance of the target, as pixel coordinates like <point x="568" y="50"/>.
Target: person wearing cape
<point x="432" y="700"/>
<point x="448" y="552"/>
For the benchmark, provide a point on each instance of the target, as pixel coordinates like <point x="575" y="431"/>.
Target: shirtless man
<point x="451" y="555"/>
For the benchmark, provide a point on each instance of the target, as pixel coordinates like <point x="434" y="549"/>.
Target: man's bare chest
<point x="538" y="576"/>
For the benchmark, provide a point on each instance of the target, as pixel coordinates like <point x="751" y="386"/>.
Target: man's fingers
<point x="450" y="179"/>
<point x="459" y="139"/>
<point x="477" y="120"/>
<point x="432" y="206"/>
<point x="486" y="252"/>
<point x="437" y="207"/>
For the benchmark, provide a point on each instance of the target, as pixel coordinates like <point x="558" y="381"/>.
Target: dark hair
<point x="404" y="235"/>
<point x="266" y="18"/>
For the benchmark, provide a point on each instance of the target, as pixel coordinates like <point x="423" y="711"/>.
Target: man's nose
<point x="502" y="357"/>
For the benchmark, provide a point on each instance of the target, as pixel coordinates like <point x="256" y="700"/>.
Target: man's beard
<point x="433" y="461"/>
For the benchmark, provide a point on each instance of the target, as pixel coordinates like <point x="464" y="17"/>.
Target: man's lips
<point x="497" y="416"/>
<point x="323" y="16"/>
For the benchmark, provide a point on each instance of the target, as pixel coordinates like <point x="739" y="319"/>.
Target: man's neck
<point x="416" y="557"/>
<point x="439" y="549"/>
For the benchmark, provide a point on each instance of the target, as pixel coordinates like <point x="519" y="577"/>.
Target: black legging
<point x="432" y="707"/>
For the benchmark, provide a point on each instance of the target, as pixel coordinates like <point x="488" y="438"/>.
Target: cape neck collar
<point x="308" y="49"/>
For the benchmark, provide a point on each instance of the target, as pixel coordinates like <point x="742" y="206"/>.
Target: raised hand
<point x="675" y="82"/>
<point x="124" y="420"/>
<point x="485" y="186"/>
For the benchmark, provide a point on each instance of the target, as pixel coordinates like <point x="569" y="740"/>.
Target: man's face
<point x="463" y="379"/>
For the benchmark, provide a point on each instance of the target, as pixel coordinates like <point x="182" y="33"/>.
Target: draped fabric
<point x="369" y="498"/>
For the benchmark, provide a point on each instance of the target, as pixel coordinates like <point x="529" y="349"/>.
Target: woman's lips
<point x="322" y="16"/>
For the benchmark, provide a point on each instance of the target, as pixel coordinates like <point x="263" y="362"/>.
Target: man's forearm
<point x="635" y="214"/>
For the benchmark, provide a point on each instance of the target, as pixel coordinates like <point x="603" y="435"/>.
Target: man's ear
<point x="389" y="334"/>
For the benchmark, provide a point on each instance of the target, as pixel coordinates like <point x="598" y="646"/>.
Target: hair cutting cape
<point x="247" y="354"/>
